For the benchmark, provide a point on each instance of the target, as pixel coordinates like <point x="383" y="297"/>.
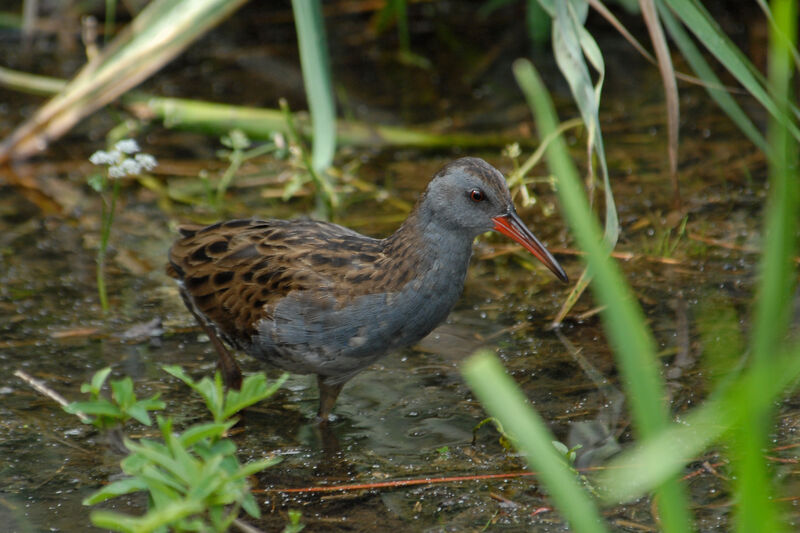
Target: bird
<point x="313" y="297"/>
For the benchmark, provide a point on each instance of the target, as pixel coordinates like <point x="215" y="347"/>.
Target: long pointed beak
<point x="511" y="226"/>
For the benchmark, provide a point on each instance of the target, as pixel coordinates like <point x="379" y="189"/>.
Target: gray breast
<point x="310" y="334"/>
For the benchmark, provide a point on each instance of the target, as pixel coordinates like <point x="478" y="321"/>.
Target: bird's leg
<point x="231" y="373"/>
<point x="327" y="397"/>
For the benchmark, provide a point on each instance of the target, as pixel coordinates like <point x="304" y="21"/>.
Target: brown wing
<point x="235" y="272"/>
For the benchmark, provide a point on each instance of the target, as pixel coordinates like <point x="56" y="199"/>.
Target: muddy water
<point x="410" y="416"/>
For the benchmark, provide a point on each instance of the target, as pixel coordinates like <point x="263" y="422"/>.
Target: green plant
<point x="324" y="192"/>
<point x="294" y="525"/>
<point x="506" y="440"/>
<point x="121" y="161"/>
<point x="739" y="411"/>
<point x="193" y="479"/>
<point x="225" y="404"/>
<point x="237" y="151"/>
<point x="569" y="454"/>
<point x="666" y="239"/>
<point x="314" y="61"/>
<point x="122" y="406"/>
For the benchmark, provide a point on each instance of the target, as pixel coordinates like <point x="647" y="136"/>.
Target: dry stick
<point x="622" y="522"/>
<point x="245" y="527"/>
<point x="399" y="483"/>
<point x="650" y="17"/>
<point x="727" y="245"/>
<point x="41" y="388"/>
<point x="706" y="468"/>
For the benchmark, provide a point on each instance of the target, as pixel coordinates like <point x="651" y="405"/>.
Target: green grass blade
<point x="317" y="80"/>
<point x="573" y="47"/>
<point x="571" y="43"/>
<point x="775" y="293"/>
<point x="502" y="398"/>
<point x="713" y="84"/>
<point x="666" y="453"/>
<point x="623" y="319"/>
<point x="777" y="271"/>
<point x="114" y="489"/>
<point x="700" y="23"/>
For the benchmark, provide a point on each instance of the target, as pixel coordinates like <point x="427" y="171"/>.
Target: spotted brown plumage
<point x="315" y="297"/>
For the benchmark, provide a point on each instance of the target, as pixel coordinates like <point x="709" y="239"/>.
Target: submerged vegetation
<point x="194" y="479"/>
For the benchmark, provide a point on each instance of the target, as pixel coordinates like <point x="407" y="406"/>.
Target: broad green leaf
<point x="207" y="479"/>
<point x="140" y="414"/>
<point x="98" y="379"/>
<point x="211" y="391"/>
<point x="122" y="392"/>
<point x="157" y="518"/>
<point x="211" y="430"/>
<point x="254" y="389"/>
<point x="252" y="467"/>
<point x="162" y="460"/>
<point x="178" y="372"/>
<point x="250" y="505"/>
<point x="117" y="488"/>
<point x="101" y="407"/>
<point x="163" y="486"/>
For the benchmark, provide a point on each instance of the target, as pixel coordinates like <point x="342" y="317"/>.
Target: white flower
<point x="146" y="161"/>
<point x="127" y="146"/>
<point x="131" y="167"/>
<point x="116" y="171"/>
<point x="101" y="157"/>
<point x="128" y="167"/>
<point x="120" y="164"/>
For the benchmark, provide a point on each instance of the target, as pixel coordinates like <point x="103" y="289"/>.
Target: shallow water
<point x="409" y="416"/>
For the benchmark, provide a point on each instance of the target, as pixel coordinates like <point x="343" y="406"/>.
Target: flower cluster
<point x="124" y="159"/>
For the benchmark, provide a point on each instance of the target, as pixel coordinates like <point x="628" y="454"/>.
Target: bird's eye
<point x="477" y="195"/>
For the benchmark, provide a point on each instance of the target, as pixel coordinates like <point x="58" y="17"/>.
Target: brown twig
<point x="400" y="483"/>
<point x="41" y="388"/>
<point x="728" y="245"/>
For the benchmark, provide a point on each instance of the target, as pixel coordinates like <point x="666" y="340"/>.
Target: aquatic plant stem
<point x="314" y="61"/>
<point x="325" y="196"/>
<point x="236" y="160"/>
<point x="773" y="307"/>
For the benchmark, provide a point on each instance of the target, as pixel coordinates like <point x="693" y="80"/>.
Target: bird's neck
<point x="430" y="246"/>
